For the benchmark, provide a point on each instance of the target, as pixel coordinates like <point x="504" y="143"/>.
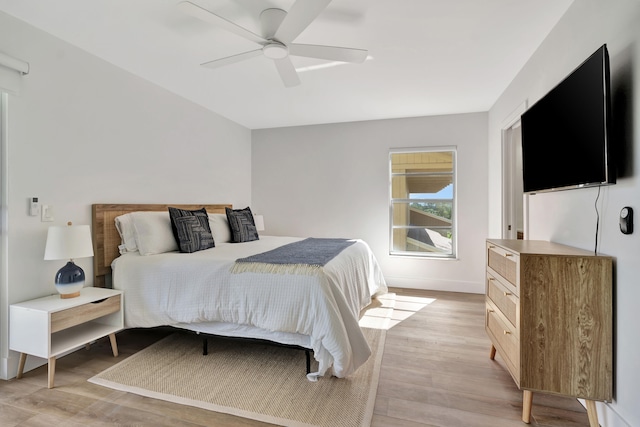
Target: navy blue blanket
<point x="308" y="253"/>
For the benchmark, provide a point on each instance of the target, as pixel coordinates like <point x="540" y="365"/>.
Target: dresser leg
<point x="52" y="371"/>
<point x="592" y="413"/>
<point x="527" y="401"/>
<point x="114" y="344"/>
<point x="492" y="353"/>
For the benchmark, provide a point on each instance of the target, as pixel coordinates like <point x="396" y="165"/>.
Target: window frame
<point x="454" y="202"/>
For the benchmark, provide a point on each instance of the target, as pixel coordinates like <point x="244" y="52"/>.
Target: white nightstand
<point x="50" y="326"/>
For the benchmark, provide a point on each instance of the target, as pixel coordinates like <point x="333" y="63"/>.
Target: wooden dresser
<point x="549" y="316"/>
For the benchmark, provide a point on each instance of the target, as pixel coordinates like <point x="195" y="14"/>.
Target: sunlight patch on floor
<point x="390" y="309"/>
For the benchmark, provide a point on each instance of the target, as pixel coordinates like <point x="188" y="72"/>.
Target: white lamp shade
<point x="259" y="222"/>
<point x="68" y="242"/>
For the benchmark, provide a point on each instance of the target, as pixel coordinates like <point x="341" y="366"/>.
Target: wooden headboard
<point x="106" y="238"/>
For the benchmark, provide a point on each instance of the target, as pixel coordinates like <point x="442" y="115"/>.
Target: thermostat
<point x="34" y="206"/>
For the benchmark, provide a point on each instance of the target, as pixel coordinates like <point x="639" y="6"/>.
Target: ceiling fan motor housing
<point x="270" y="20"/>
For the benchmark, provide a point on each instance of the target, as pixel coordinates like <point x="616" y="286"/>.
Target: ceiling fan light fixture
<point x="275" y="51"/>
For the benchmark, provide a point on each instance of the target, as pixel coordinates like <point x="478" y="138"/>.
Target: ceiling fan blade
<point x="196" y="11"/>
<point x="301" y="14"/>
<point x="331" y="53"/>
<point x="232" y="59"/>
<point x="287" y="72"/>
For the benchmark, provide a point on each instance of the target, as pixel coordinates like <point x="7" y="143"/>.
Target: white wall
<point x="569" y="217"/>
<point x="83" y="131"/>
<point x="333" y="181"/>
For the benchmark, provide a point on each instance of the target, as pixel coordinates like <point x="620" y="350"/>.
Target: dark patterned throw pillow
<point x="191" y="229"/>
<point x="243" y="228"/>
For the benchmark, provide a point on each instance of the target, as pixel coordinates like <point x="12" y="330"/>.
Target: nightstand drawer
<point x="503" y="298"/>
<point x="83" y="313"/>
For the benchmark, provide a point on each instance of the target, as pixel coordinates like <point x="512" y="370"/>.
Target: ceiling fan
<point x="279" y="29"/>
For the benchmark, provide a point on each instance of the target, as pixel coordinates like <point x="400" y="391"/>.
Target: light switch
<point x="47" y="213"/>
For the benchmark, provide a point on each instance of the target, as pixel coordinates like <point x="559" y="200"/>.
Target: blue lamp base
<point x="69" y="280"/>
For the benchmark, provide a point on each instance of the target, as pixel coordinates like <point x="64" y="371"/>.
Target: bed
<point x="211" y="292"/>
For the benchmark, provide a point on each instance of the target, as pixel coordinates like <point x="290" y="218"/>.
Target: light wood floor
<point x="435" y="372"/>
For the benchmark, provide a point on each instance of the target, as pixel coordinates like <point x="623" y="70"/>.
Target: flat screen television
<point x="566" y="135"/>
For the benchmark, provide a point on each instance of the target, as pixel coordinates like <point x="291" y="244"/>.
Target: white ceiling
<point x="427" y="57"/>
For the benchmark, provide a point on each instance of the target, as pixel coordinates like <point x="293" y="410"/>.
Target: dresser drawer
<point x="84" y="313"/>
<point x="506" y="341"/>
<point x="504" y="263"/>
<point x="503" y="298"/>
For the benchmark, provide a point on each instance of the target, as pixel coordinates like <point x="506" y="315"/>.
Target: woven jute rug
<point x="249" y="379"/>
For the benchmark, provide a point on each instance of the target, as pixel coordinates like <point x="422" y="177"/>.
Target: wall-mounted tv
<point x="566" y="135"/>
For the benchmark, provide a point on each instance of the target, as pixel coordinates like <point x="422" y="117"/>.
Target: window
<point x="422" y="202"/>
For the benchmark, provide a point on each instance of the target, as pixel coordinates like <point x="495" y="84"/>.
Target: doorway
<point x="4" y="290"/>
<point x="513" y="198"/>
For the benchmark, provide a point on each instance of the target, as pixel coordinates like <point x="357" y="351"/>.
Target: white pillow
<point x="154" y="234"/>
<point x="124" y="225"/>
<point x="219" y="225"/>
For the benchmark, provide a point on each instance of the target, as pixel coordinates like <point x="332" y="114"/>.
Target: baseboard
<point x="10" y="364"/>
<point x="3" y="369"/>
<point x="435" y="284"/>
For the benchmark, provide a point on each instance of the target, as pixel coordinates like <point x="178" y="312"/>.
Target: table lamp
<point x="69" y="242"/>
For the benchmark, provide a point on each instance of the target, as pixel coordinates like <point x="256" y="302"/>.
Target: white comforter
<point x="198" y="288"/>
